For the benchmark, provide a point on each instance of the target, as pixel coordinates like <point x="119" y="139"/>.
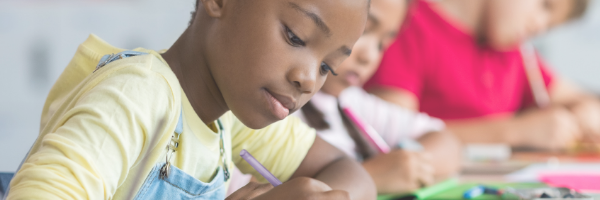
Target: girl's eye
<point x="294" y="40"/>
<point x="325" y="69"/>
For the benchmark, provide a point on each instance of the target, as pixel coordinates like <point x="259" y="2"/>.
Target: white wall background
<point x="573" y="50"/>
<point x="38" y="38"/>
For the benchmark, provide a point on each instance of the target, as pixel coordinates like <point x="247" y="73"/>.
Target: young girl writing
<point x="461" y="61"/>
<point x="170" y="125"/>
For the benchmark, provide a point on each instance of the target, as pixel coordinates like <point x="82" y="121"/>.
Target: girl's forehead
<point x="332" y="10"/>
<point x="340" y="20"/>
<point x="387" y="13"/>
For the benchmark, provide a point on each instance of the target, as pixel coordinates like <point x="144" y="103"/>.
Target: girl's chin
<point x="256" y="124"/>
<point x="255" y="119"/>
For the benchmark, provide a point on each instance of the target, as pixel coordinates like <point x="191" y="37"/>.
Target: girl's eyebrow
<point x="315" y="18"/>
<point x="319" y="22"/>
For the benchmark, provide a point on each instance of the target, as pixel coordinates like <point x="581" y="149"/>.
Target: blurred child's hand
<point x="301" y="188"/>
<point x="587" y="113"/>
<point x="553" y="128"/>
<point x="400" y="171"/>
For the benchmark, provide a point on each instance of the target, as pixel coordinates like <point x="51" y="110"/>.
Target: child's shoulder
<point x="147" y="65"/>
<point x="145" y="76"/>
<point x="146" y="79"/>
<point x="86" y="61"/>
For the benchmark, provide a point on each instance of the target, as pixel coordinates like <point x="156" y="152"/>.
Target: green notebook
<point x="458" y="191"/>
<point x="425" y="192"/>
<point x="453" y="190"/>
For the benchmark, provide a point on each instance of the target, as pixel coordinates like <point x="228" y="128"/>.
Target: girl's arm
<point x="326" y="163"/>
<point x="584" y="106"/>
<point x="445" y="150"/>
<point x="571" y="116"/>
<point x="551" y="128"/>
<point x="324" y="173"/>
<point x="90" y="153"/>
<point x="291" y="150"/>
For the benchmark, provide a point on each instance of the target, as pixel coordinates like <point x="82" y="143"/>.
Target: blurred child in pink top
<point x="459" y="60"/>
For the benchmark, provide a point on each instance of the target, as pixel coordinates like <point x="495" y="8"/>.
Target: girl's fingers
<point x="335" y="195"/>
<point x="425" y="157"/>
<point x="426" y="174"/>
<point x="250" y="191"/>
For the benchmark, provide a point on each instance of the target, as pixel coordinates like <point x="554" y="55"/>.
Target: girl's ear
<point x="213" y="8"/>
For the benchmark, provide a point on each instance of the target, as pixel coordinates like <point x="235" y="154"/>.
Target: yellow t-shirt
<point x="96" y="128"/>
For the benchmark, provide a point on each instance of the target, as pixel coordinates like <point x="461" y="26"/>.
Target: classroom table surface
<point x="493" y="173"/>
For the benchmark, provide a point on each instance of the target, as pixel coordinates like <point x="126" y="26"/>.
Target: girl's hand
<point x="250" y="191"/>
<point x="587" y="112"/>
<point x="554" y="128"/>
<point x="300" y="188"/>
<point x="400" y="171"/>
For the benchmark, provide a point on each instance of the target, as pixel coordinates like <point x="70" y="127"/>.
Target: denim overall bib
<point x="166" y="181"/>
<point x="179" y="185"/>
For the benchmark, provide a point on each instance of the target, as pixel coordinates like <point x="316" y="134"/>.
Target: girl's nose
<point x="366" y="50"/>
<point x="304" y="78"/>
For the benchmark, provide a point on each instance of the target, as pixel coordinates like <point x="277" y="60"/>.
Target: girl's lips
<point x="352" y="78"/>
<point x="276" y="106"/>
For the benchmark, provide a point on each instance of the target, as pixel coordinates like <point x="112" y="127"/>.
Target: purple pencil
<point x="260" y="168"/>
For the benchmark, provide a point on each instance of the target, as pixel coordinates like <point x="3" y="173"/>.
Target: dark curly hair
<point x="579" y="8"/>
<point x="193" y="13"/>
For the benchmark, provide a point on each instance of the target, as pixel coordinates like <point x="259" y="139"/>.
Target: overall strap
<point x="179" y="127"/>
<point x="112" y="57"/>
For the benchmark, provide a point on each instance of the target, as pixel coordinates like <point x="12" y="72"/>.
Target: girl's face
<point x="383" y="22"/>
<point x="508" y="23"/>
<point x="269" y="57"/>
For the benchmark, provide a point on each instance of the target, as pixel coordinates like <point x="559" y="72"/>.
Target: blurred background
<point x="39" y="37"/>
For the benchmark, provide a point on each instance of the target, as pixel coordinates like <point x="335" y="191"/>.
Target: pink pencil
<point x="534" y="76"/>
<point x="368" y="131"/>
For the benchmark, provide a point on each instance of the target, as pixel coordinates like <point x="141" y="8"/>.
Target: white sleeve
<point x="392" y="122"/>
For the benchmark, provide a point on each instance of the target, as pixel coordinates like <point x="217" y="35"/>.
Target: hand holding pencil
<point x="301" y="188"/>
<point x="401" y="171"/>
<point x="534" y="76"/>
<point x="394" y="170"/>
